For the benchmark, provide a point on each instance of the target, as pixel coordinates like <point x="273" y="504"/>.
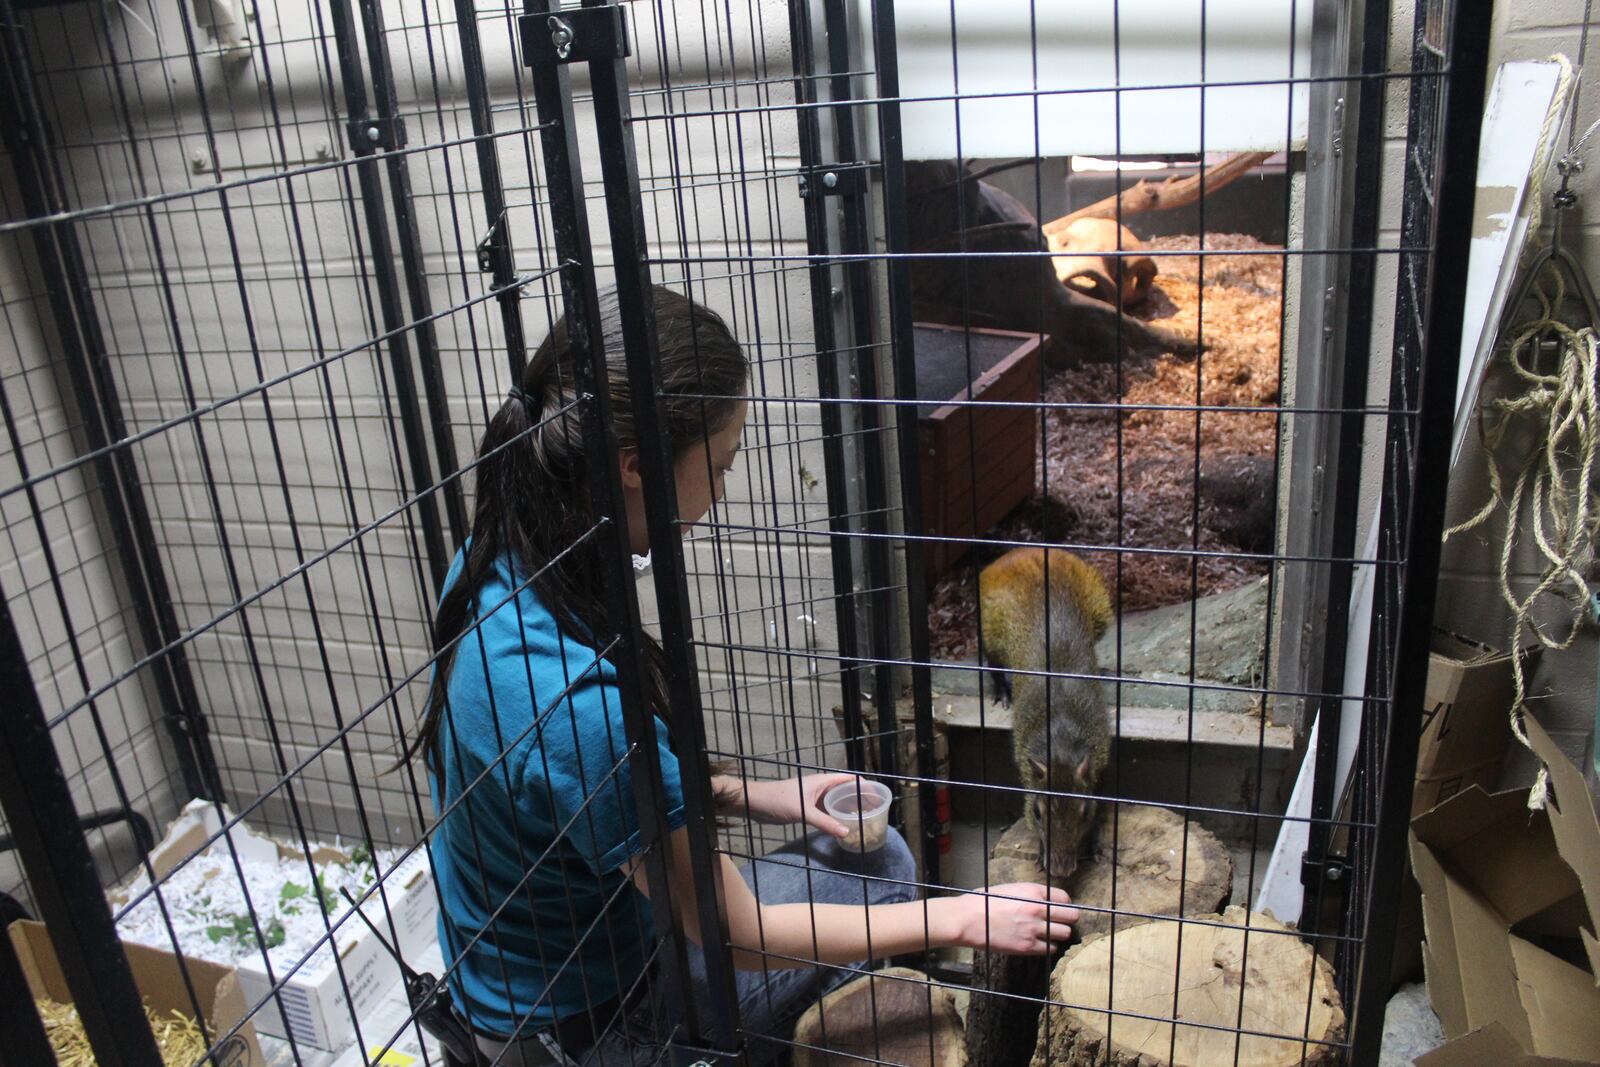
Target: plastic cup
<point x="863" y="806"/>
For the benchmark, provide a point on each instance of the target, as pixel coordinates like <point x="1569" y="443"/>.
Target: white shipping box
<point x="326" y="990"/>
<point x="390" y="1037"/>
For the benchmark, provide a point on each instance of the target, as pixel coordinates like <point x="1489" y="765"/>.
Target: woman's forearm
<point x="798" y="935"/>
<point x="1015" y="918"/>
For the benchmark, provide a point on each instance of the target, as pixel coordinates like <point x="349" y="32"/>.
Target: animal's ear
<point x="1081" y="771"/>
<point x="1038" y="767"/>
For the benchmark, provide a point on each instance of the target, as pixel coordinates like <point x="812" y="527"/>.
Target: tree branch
<point x="1174" y="192"/>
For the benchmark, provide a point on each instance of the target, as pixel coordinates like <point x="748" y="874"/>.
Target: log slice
<point x="1139" y="844"/>
<point x="1225" y="979"/>
<point x="895" y="1015"/>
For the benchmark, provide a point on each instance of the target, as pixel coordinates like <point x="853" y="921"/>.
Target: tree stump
<point x="891" y="1016"/>
<point x="1223" y="980"/>
<point x="1001" y="1029"/>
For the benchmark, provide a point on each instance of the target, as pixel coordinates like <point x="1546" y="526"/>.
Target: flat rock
<point x="1230" y="639"/>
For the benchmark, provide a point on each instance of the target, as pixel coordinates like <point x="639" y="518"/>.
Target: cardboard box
<point x="313" y="998"/>
<point x="1489" y="1045"/>
<point x="1510" y="902"/>
<point x="161" y="984"/>
<point x="1465" y="725"/>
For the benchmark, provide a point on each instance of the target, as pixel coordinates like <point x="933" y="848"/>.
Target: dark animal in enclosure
<point x="984" y="262"/>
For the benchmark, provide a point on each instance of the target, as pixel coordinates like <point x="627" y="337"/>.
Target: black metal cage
<point x="269" y="270"/>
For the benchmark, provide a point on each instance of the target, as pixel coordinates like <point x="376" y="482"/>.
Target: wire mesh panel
<point x="931" y="145"/>
<point x="947" y="395"/>
<point x="265" y="283"/>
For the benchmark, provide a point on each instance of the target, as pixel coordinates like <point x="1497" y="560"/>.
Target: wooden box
<point x="977" y="462"/>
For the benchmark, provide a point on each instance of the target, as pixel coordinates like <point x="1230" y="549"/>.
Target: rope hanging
<point x="1561" y="409"/>
<point x="1558" y="409"/>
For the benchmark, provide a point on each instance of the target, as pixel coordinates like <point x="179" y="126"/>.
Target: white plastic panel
<point x="1085" y="49"/>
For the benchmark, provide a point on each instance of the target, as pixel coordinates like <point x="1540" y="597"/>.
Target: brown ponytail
<point x="533" y="476"/>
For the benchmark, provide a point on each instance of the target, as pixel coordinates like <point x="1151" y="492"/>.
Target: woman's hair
<point x="534" y="475"/>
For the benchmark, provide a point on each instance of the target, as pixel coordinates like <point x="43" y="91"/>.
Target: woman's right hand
<point x="1021" y="919"/>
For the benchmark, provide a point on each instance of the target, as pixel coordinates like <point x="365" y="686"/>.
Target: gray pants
<point x="811" y="868"/>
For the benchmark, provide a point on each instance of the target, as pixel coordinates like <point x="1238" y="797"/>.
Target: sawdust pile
<point x="1147" y="500"/>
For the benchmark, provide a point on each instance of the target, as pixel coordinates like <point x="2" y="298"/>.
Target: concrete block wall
<point x="62" y="580"/>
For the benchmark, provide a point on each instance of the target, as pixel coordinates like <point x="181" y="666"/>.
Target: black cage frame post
<point x="548" y="44"/>
<point x="824" y="287"/>
<point x="597" y="32"/>
<point x="1451" y="48"/>
<point x="855" y="248"/>
<point x="24" y="1030"/>
<point x="403" y="205"/>
<point x="897" y="246"/>
<point x="494" y="248"/>
<point x="38" y="807"/>
<point x="368" y="135"/>
<point x="1323" y="871"/>
<point x="78" y="333"/>
<point x="862" y="342"/>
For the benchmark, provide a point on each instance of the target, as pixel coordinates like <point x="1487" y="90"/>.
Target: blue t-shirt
<point x="529" y="857"/>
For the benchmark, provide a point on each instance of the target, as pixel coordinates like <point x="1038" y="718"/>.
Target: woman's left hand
<point x="794" y="800"/>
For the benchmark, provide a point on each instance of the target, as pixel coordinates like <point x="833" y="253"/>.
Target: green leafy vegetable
<point x="330" y="899"/>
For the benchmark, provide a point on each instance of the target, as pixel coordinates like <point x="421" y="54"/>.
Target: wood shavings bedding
<point x="1086" y="496"/>
<point x="177" y="1036"/>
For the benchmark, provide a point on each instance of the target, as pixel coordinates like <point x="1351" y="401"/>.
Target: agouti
<point x="1042" y="610"/>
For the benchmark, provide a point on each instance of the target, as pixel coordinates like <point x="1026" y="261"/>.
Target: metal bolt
<point x="374" y="134"/>
<point x="1335" y="872"/>
<point x="199" y="160"/>
<point x="830" y="179"/>
<point x="837" y="293"/>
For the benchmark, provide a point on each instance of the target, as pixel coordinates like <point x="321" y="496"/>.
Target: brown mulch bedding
<point x="1079" y="474"/>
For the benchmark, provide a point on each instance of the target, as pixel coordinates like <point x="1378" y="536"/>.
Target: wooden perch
<point x="1174" y="192"/>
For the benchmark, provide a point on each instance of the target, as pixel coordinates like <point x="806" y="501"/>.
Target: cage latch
<point x="837" y="179"/>
<point x="370" y="135"/>
<point x="574" y="35"/>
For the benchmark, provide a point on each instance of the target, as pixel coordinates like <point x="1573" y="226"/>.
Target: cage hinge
<point x="841" y="179"/>
<point x="370" y="135"/>
<point x="1332" y="868"/>
<point x="574" y="35"/>
<point x="492" y="246"/>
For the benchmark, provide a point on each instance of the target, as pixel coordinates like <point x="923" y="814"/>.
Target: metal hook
<point x="561" y="36"/>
